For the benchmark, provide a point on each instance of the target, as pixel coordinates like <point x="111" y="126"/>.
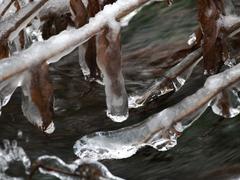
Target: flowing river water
<point x="211" y="144"/>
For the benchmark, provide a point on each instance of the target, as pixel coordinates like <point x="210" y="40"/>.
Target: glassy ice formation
<point x="172" y="80"/>
<point x="109" y="62"/>
<point x="54" y="48"/>
<point x="7" y="88"/>
<point x="227" y="102"/>
<point x="79" y="169"/>
<point x="9" y="154"/>
<point x="159" y="131"/>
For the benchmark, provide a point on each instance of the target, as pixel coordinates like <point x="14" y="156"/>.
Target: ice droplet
<point x="117" y="118"/>
<point x="192" y="39"/>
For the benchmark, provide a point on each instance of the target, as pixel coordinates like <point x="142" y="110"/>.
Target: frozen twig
<point x="54" y="49"/>
<point x="11" y="26"/>
<point x="159" y="131"/>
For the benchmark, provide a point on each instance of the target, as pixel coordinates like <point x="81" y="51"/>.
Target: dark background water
<point x="211" y="143"/>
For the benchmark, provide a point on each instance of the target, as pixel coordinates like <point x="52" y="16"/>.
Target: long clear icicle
<point x="160" y="130"/>
<point x="109" y="62"/>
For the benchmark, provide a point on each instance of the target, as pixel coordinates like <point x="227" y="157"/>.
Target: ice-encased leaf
<point x="79" y="169"/>
<point x="37" y="101"/>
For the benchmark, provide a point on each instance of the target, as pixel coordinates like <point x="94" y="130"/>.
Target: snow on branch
<point x="54" y="48"/>
<point x="159" y="131"/>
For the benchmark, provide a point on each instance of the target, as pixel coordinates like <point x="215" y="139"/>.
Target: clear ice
<point x="172" y="80"/>
<point x="79" y="169"/>
<point x="159" y="131"/>
<point x="109" y="62"/>
<point x="227" y="102"/>
<point x="11" y="153"/>
<point x="7" y="88"/>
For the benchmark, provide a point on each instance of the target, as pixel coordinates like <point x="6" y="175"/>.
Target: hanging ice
<point x="160" y="130"/>
<point x="227" y="103"/>
<point x="37" y="101"/>
<point x="172" y="80"/>
<point x="82" y="62"/>
<point x="7" y="88"/>
<point x="109" y="62"/>
<point x="11" y="153"/>
<point x="79" y="169"/>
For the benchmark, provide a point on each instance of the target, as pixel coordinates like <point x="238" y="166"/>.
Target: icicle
<point x="7" y="88"/>
<point x="33" y="32"/>
<point x="109" y="62"/>
<point x="9" y="154"/>
<point x="159" y="131"/>
<point x="82" y="62"/>
<point x="172" y="80"/>
<point x="79" y="169"/>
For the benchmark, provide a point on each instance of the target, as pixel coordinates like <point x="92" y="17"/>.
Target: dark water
<point x="211" y="143"/>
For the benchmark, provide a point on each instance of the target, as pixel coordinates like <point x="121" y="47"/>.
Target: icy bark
<point x="7" y="8"/>
<point x="42" y="51"/>
<point x="160" y="130"/>
<point x="109" y="62"/>
<point x="14" y="24"/>
<point x="56" y="7"/>
<point x="11" y="153"/>
<point x="52" y="165"/>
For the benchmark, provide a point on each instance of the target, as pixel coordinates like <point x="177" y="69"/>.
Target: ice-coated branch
<point x="79" y="169"/>
<point x="11" y="26"/>
<point x="55" y="47"/>
<point x="171" y="80"/>
<point x="175" y="78"/>
<point x="5" y="6"/>
<point x="159" y="131"/>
